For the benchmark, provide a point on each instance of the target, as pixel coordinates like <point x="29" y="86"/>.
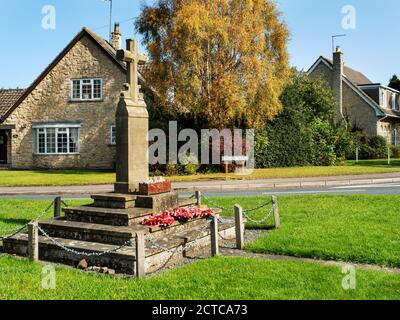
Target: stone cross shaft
<point x="132" y="126"/>
<point x="133" y="59"/>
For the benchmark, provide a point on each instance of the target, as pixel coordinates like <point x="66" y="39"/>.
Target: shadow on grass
<point x="252" y="226"/>
<point x="14" y="221"/>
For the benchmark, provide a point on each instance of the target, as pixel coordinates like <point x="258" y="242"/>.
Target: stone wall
<point x="322" y="72"/>
<point x="50" y="102"/>
<point x="386" y="129"/>
<point x="359" y="113"/>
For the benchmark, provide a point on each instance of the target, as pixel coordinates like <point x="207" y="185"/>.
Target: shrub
<point x="323" y="149"/>
<point x="395" y="151"/>
<point x="300" y="135"/>
<point x="171" y="169"/>
<point x="345" y="142"/>
<point x="189" y="164"/>
<point x="374" y="148"/>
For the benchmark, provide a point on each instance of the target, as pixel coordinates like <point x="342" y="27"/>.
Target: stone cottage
<point x="66" y="118"/>
<point x="369" y="106"/>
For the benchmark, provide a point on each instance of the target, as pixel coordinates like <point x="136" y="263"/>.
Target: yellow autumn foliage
<point x="223" y="61"/>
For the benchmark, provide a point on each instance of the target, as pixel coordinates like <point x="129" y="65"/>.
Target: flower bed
<point x="167" y="218"/>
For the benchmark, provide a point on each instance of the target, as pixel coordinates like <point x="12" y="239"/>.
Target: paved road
<point x="371" y="189"/>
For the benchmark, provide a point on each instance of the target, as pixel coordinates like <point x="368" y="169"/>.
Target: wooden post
<point x="214" y="236"/>
<point x="239" y="227"/>
<point x="226" y="170"/>
<point x="33" y="242"/>
<point x="140" y="255"/>
<point x="57" y="207"/>
<point x="276" y="212"/>
<point x="198" y="198"/>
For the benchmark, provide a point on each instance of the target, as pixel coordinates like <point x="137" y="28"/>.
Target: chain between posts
<point x="183" y="248"/>
<point x="64" y="203"/>
<point x="245" y="212"/>
<point x="19" y="229"/>
<point x="83" y="253"/>
<point x="265" y="218"/>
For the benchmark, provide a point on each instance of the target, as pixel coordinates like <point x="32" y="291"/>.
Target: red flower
<point x="167" y="218"/>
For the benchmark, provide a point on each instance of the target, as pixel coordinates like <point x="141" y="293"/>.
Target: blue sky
<point x="372" y="47"/>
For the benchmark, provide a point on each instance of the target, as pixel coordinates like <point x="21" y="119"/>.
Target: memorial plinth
<point x="114" y="219"/>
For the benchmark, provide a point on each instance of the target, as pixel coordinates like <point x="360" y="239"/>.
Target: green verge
<point x="15" y="213"/>
<point x="238" y="278"/>
<point x="218" y="278"/>
<point x="353" y="228"/>
<point x="11" y="178"/>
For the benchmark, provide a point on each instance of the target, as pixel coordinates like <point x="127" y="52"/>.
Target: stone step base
<point x="116" y="235"/>
<point x="114" y="216"/>
<point x="106" y="216"/>
<point x="123" y="260"/>
<point x="81" y="231"/>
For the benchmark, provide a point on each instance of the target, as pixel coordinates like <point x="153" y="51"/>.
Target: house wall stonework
<point x="50" y="102"/>
<point x="358" y="112"/>
<point x="322" y="72"/>
<point x="385" y="129"/>
<point x="355" y="109"/>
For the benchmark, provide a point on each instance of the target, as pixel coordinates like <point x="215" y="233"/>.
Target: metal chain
<point x="13" y="234"/>
<point x="64" y="203"/>
<point x="244" y="211"/>
<point x="259" y="207"/>
<point x="83" y="253"/>
<point x="178" y="249"/>
<point x="266" y="216"/>
<point x="215" y="204"/>
<point x="19" y="229"/>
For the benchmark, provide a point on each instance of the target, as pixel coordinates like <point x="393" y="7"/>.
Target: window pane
<point x="51" y="140"/>
<point x="76" y="89"/>
<point x="73" y="140"/>
<point x="62" y="141"/>
<point x="86" y="89"/>
<point x="113" y="135"/>
<point x="97" y="89"/>
<point x="41" y="141"/>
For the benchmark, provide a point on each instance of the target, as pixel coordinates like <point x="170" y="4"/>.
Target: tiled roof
<point x="356" y="79"/>
<point x="354" y="76"/>
<point x="110" y="49"/>
<point x="104" y="44"/>
<point x="7" y="99"/>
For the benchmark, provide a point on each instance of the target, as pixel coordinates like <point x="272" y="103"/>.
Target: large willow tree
<point x="224" y="62"/>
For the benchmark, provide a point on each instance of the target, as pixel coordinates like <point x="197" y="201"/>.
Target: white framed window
<point x="56" y="139"/>
<point x="393" y="101"/>
<point x="87" y="89"/>
<point x="113" y="135"/>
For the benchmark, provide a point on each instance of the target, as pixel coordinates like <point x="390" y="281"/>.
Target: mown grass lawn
<point x="303" y="232"/>
<point x="15" y="213"/>
<point x="9" y="178"/>
<point x="354" y="228"/>
<point x="218" y="278"/>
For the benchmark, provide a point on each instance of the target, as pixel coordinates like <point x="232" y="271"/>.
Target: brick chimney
<point x="116" y="38"/>
<point x="337" y="83"/>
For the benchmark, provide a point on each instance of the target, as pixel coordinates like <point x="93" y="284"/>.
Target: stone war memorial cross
<point x="131" y="126"/>
<point x="101" y="233"/>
